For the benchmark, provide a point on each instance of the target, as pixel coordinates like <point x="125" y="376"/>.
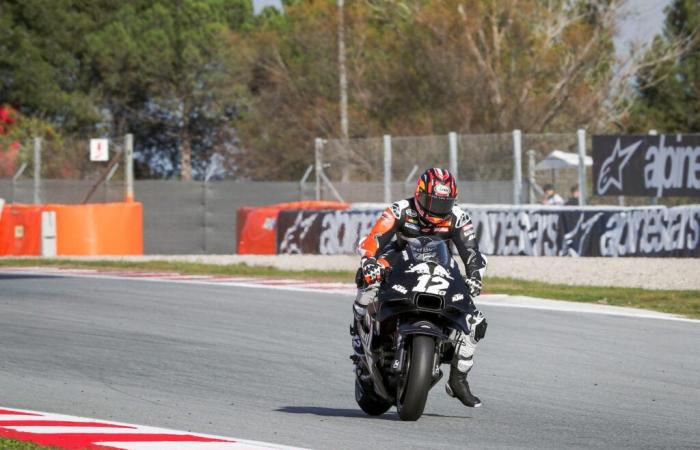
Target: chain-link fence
<point x="29" y="170"/>
<point x="200" y="217"/>
<point x="491" y="168"/>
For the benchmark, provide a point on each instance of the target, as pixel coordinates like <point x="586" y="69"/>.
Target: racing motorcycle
<point x="407" y="332"/>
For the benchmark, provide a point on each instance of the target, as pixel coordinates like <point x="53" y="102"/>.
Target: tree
<point x="424" y="67"/>
<point x="165" y="71"/>
<point x="669" y="95"/>
<point x="43" y="60"/>
<point x="170" y="71"/>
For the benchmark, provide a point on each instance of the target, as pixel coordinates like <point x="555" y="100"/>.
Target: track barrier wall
<point x="257" y="232"/>
<point x="20" y="230"/>
<point x="92" y="229"/>
<point x="509" y="230"/>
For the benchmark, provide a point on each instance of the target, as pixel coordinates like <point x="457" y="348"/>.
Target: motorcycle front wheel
<point x="411" y="401"/>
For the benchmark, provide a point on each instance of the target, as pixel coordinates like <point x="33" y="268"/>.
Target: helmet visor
<point x="435" y="205"/>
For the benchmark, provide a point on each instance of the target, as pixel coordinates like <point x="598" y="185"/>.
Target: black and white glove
<point x="475" y="285"/>
<point x="371" y="270"/>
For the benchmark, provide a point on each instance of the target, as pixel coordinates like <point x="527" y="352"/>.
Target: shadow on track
<point x="23" y="276"/>
<point x="334" y="412"/>
<point x="354" y="413"/>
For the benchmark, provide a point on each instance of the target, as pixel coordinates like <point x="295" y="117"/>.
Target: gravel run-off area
<point x="649" y="273"/>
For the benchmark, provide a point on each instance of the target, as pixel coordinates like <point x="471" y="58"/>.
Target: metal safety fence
<point x="197" y="217"/>
<point x="491" y="168"/>
<point x="179" y="217"/>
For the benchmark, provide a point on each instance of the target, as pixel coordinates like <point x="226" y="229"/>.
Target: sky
<point x="258" y="5"/>
<point x="642" y="20"/>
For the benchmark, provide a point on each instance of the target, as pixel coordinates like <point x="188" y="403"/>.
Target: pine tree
<point x="669" y="97"/>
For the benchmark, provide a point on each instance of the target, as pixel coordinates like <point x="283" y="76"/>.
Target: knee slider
<point x="480" y="330"/>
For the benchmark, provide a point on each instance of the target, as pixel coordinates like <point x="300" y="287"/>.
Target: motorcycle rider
<point x="430" y="212"/>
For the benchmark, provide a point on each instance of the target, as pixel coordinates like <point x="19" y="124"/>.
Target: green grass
<point x="686" y="303"/>
<point x="188" y="268"/>
<point x="11" y="444"/>
<point x="683" y="302"/>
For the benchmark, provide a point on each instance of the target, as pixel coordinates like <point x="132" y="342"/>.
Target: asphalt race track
<point x="273" y="365"/>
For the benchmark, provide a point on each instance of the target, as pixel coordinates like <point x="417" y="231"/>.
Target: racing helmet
<point x="436" y="192"/>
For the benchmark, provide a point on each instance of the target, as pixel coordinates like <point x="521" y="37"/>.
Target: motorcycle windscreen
<point x="427" y="249"/>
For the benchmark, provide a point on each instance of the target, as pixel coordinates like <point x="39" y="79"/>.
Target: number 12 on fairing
<point x="438" y="285"/>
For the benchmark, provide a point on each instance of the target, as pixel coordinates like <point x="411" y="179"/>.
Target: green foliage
<point x="197" y="80"/>
<point x="175" y="62"/>
<point x="165" y="71"/>
<point x="11" y="444"/>
<point x="64" y="156"/>
<point x="669" y="96"/>
<point x="43" y="61"/>
<point x="421" y="67"/>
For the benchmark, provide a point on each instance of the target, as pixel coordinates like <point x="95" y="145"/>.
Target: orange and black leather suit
<point x="402" y="221"/>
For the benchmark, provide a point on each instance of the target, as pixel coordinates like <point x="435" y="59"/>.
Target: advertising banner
<point x="646" y="165"/>
<point x="323" y="232"/>
<point x="531" y="231"/>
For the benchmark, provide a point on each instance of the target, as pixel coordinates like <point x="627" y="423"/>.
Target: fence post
<point x="205" y="222"/>
<point x="517" y="166"/>
<point x="582" y="197"/>
<point x="531" y="176"/>
<point x="453" y="154"/>
<point x="387" y="168"/>
<point x="129" y="167"/>
<point x="15" y="177"/>
<point x="37" y="171"/>
<point x="318" y="149"/>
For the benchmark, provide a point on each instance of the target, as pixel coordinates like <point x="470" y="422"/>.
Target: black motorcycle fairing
<point x="422" y="327"/>
<point x="423" y="276"/>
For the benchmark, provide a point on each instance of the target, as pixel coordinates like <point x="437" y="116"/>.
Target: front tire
<point x="369" y="401"/>
<point x="420" y="374"/>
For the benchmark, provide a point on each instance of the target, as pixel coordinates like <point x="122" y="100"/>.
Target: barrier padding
<point x="95" y="229"/>
<point x="257" y="227"/>
<point x="99" y="228"/>
<point x="20" y="230"/>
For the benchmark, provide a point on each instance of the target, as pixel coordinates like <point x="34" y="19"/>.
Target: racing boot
<point x="457" y="386"/>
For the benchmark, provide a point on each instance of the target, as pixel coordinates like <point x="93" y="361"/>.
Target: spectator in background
<point x="551" y="197"/>
<point x="573" y="199"/>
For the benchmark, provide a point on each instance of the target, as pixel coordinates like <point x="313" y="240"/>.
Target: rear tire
<point x="420" y="378"/>
<point x="369" y="401"/>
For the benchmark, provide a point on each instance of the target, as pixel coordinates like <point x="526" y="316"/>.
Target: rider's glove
<point x="371" y="270"/>
<point x="475" y="285"/>
<point x="477" y="325"/>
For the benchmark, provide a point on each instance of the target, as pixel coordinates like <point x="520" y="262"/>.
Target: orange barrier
<point x="99" y="229"/>
<point x="94" y="229"/>
<point x="257" y="227"/>
<point x="20" y="230"/>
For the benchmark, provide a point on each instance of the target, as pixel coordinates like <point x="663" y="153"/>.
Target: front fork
<point x="400" y="357"/>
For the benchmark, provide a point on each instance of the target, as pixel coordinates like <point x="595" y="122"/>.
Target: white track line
<point x="172" y="445"/>
<point x="348" y="289"/>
